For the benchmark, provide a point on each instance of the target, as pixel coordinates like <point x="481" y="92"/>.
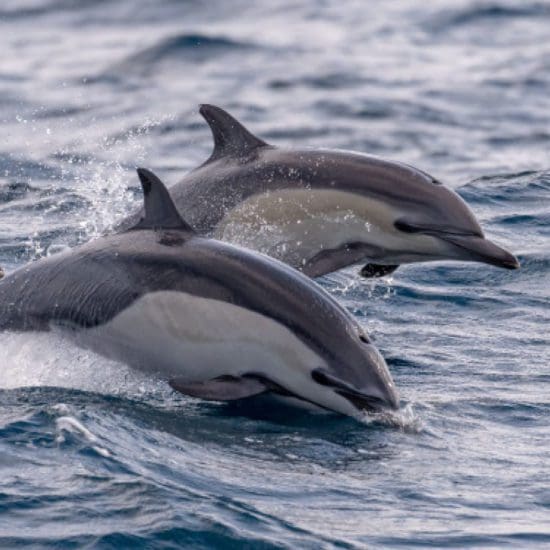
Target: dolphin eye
<point x="405" y="227"/>
<point x="364" y="339"/>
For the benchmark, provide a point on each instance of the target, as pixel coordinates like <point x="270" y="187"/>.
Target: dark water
<point x="94" y="455"/>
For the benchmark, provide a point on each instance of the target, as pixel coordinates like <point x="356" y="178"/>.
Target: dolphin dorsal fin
<point x="160" y="210"/>
<point x="231" y="138"/>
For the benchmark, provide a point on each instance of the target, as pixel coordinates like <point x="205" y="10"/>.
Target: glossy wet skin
<point x="95" y="285"/>
<point x="409" y="216"/>
<point x="414" y="218"/>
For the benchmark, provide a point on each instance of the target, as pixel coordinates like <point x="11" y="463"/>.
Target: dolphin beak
<point x="479" y="249"/>
<point x="377" y="396"/>
<point x="371" y="403"/>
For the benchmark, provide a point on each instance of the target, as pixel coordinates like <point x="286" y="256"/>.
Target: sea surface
<point x="93" y="455"/>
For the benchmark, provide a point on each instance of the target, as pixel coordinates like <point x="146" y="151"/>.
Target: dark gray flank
<point x="88" y="286"/>
<point x="243" y="165"/>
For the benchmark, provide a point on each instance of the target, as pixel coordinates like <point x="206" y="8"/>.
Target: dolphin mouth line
<point x="277" y="389"/>
<point x="432" y="230"/>
<point x="479" y="248"/>
<point x="357" y="398"/>
<point x="482" y="250"/>
<point x="361" y="401"/>
<point x="364" y="403"/>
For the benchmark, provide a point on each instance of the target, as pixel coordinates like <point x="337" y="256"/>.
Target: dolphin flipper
<point x="333" y="259"/>
<point x="223" y="388"/>
<point x="231" y="138"/>
<point x="375" y="270"/>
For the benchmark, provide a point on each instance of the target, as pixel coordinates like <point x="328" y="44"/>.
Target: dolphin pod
<point x="165" y="294"/>
<point x="321" y="210"/>
<point x="218" y="321"/>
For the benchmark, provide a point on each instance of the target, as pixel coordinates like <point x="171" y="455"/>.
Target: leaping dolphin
<point x="218" y="321"/>
<point x="321" y="210"/>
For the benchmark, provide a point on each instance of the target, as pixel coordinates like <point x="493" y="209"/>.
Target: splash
<point x="290" y="228"/>
<point x="101" y="177"/>
<point x="49" y="359"/>
<point x="405" y="419"/>
<point x="69" y="425"/>
<point x="88" y="192"/>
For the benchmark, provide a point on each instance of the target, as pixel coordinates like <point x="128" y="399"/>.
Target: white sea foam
<point x="49" y="359"/>
<point x="404" y="419"/>
<point x="70" y="425"/>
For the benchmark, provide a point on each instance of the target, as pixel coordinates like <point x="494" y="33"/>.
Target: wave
<point x="16" y="190"/>
<point x="46" y="8"/>
<point x="27" y="169"/>
<point x="181" y="48"/>
<point x="491" y="12"/>
<point x="328" y="81"/>
<point x="516" y="186"/>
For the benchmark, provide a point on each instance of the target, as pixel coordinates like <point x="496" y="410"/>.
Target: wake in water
<point x="405" y="419"/>
<point x="49" y="359"/>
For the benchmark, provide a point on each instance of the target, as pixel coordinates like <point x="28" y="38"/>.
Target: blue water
<point x="94" y="455"/>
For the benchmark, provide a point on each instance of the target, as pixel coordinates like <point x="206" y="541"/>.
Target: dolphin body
<point x="321" y="210"/>
<point x="218" y="321"/>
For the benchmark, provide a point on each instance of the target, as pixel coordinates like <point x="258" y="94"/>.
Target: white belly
<point x="294" y="225"/>
<point x="196" y="339"/>
<point x="177" y="334"/>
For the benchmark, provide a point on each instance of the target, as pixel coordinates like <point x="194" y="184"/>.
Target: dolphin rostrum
<point x="320" y="210"/>
<point x="218" y="321"/>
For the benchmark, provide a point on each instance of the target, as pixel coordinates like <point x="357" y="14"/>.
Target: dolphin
<point x="320" y="210"/>
<point x="217" y="321"/>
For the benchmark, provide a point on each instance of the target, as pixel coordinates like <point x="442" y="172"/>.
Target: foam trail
<point x="405" y="419"/>
<point x="70" y="425"/>
<point x="49" y="359"/>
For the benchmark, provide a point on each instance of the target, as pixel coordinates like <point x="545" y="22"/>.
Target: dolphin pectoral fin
<point x="231" y="138"/>
<point x="333" y="259"/>
<point x="223" y="388"/>
<point x="375" y="270"/>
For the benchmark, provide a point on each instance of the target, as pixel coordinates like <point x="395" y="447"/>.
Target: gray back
<point x="88" y="286"/>
<point x="243" y="165"/>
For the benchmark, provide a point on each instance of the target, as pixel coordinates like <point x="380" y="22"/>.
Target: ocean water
<point x="93" y="455"/>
